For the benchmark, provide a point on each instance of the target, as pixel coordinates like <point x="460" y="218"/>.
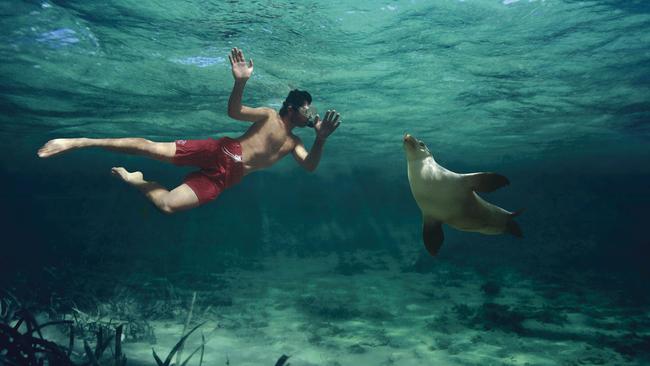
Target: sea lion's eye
<point x="421" y="144"/>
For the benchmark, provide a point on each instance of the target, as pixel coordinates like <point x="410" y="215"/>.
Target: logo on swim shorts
<point x="181" y="142"/>
<point x="235" y="157"/>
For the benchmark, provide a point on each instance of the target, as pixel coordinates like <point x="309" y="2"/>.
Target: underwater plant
<point x="177" y="347"/>
<point x="21" y="339"/>
<point x="22" y="342"/>
<point x="134" y="329"/>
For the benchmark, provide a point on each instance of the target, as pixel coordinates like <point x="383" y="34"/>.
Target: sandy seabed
<point x="371" y="310"/>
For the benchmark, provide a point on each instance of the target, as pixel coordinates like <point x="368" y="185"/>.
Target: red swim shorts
<point x="220" y="162"/>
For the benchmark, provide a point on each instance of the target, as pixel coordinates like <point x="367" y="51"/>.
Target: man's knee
<point x="165" y="206"/>
<point x="164" y="150"/>
<point x="180" y="199"/>
<point x="133" y="142"/>
<point x="142" y="141"/>
<point x="166" y="210"/>
<point x="149" y="146"/>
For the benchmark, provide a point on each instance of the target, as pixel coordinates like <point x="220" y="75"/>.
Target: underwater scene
<point x="466" y="185"/>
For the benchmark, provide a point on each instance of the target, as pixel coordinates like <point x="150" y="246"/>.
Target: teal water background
<point x="552" y="94"/>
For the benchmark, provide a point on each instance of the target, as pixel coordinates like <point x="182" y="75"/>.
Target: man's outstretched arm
<point x="309" y="160"/>
<point x="242" y="72"/>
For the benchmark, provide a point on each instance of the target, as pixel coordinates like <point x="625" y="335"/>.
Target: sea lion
<point x="447" y="197"/>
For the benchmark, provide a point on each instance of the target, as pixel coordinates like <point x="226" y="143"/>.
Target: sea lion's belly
<point x="438" y="195"/>
<point x="480" y="216"/>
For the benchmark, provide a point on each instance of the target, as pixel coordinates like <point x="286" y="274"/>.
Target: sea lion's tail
<point x="512" y="227"/>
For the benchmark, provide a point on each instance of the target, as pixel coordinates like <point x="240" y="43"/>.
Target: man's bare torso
<point x="265" y="142"/>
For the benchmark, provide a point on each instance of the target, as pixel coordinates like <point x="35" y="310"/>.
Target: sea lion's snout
<point x="409" y="140"/>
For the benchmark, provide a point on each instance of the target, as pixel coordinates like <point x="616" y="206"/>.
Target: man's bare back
<point x="266" y="141"/>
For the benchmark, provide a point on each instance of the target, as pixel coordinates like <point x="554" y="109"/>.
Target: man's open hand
<point x="240" y="71"/>
<point x="325" y="127"/>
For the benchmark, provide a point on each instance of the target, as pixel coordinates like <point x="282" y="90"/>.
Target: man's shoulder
<point x="269" y="113"/>
<point x="269" y="110"/>
<point x="264" y="111"/>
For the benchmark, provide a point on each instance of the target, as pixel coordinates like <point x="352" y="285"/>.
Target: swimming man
<point x="223" y="162"/>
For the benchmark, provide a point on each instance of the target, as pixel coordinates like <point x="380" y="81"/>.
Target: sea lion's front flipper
<point x="432" y="235"/>
<point x="486" y="182"/>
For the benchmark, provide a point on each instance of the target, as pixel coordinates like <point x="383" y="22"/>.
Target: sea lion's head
<point x="415" y="149"/>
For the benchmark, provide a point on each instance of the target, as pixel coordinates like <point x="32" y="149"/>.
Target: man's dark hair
<point x="296" y="99"/>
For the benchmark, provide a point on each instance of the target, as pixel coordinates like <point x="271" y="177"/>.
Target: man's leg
<point x="179" y="199"/>
<point x="163" y="151"/>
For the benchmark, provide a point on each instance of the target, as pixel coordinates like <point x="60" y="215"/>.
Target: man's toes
<point x="119" y="171"/>
<point x="50" y="148"/>
<point x="44" y="151"/>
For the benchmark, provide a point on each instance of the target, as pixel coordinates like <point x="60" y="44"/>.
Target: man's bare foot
<point x="133" y="179"/>
<point x="58" y="146"/>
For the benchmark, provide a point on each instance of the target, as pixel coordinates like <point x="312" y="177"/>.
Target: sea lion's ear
<point x="485" y="182"/>
<point x="432" y="235"/>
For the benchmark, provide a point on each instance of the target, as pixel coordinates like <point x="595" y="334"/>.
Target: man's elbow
<point x="307" y="166"/>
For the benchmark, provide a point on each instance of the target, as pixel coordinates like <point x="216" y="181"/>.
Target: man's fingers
<point x="327" y="115"/>
<point x="333" y="115"/>
<point x="336" y="118"/>
<point x="237" y="56"/>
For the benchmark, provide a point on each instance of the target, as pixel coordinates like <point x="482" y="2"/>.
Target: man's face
<point x="304" y="116"/>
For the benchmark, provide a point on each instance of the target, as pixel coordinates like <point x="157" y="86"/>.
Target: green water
<point x="552" y="94"/>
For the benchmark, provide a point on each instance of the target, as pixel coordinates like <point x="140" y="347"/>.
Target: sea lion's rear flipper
<point x="486" y="182"/>
<point x="432" y="235"/>
<point x="512" y="227"/>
